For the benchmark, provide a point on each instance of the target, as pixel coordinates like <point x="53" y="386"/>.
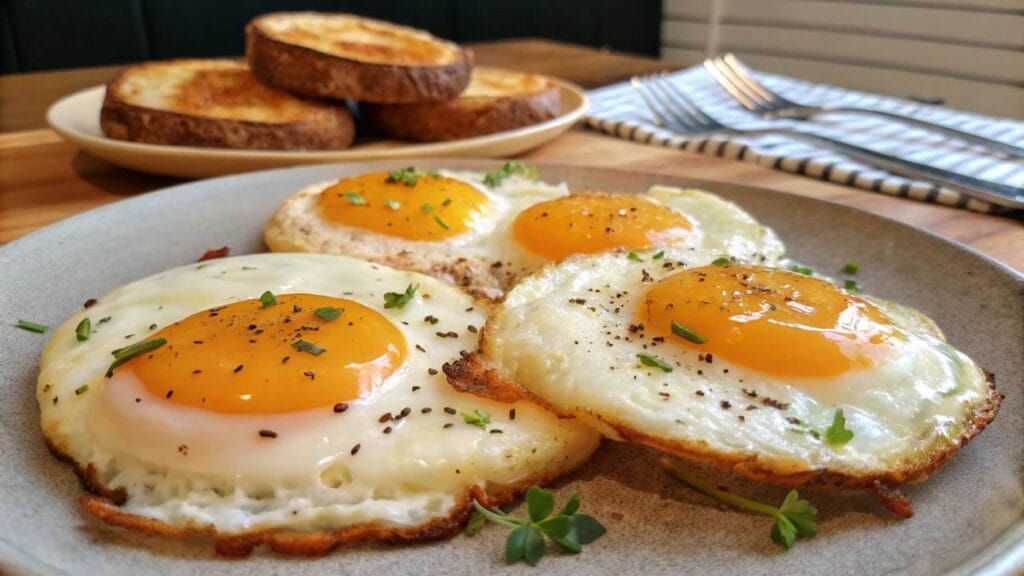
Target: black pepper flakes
<point x="449" y="410"/>
<point x="268" y="434"/>
<point x="169" y="394"/>
<point x="448" y="425"/>
<point x="725" y="404"/>
<point x="385" y="417"/>
<point x="387" y="430"/>
<point x="512" y="414"/>
<point x="238" y="368"/>
<point x="355" y="449"/>
<point x="340" y="407"/>
<point x="432" y="371"/>
<point x="426" y="410"/>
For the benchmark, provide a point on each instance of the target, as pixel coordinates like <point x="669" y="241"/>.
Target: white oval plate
<point x="77" y="119"/>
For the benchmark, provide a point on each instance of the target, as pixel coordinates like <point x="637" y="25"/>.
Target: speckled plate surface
<point x="970" y="515"/>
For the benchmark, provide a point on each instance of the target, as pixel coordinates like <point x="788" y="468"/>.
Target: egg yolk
<point x="594" y="223"/>
<point x="432" y="208"/>
<point x="773" y="321"/>
<point x="247" y="358"/>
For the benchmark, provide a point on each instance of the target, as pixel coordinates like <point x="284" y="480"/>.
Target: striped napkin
<point x="618" y="110"/>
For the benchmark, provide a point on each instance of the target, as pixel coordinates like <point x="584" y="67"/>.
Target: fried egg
<point x="294" y="400"/>
<point x="760" y="370"/>
<point x="480" y="234"/>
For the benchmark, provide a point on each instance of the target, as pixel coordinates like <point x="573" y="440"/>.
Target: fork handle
<point x="989" y="143"/>
<point x="1000" y="194"/>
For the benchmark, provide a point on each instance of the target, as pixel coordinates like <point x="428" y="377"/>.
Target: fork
<point x="737" y="80"/>
<point x="675" y="111"/>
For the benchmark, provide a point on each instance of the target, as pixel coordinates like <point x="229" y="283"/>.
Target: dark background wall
<point x="49" y="34"/>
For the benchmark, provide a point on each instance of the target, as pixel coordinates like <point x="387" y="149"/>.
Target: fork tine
<point x="747" y="77"/>
<point x="639" y="84"/>
<point x="735" y="91"/>
<point x="683" y="103"/>
<point x="674" y="116"/>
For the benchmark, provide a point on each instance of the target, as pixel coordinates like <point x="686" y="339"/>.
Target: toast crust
<point x="361" y="71"/>
<point x="217" y="103"/>
<point x="495" y="101"/>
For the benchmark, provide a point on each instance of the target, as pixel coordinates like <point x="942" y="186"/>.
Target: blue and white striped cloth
<point x="619" y="111"/>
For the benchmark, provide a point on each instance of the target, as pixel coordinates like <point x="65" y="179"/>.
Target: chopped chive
<point x="687" y="333"/>
<point x="329" y="313"/>
<point x="723" y="261"/>
<point x="652" y="360"/>
<point x="851" y="267"/>
<point x="122" y="355"/>
<point x="634" y="257"/>
<point x="426" y="208"/>
<point x="81" y="389"/>
<point x="303" y="346"/>
<point x="408" y="176"/>
<point x="394" y="205"/>
<point x="658" y="255"/>
<point x="447" y="202"/>
<point x="801" y="270"/>
<point x="400" y="299"/>
<point x="851" y="286"/>
<point x="355" y="199"/>
<point x="441" y="222"/>
<point x="103" y="320"/>
<point x="83" y="330"/>
<point x="268" y="299"/>
<point x="32" y="326"/>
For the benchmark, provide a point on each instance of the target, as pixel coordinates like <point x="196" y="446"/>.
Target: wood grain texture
<point x="43" y="180"/>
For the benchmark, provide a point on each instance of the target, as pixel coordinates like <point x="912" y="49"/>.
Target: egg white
<point x="488" y="259"/>
<point x="582" y="359"/>
<point x="307" y="478"/>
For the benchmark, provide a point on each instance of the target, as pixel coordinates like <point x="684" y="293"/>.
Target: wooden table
<point x="42" y="179"/>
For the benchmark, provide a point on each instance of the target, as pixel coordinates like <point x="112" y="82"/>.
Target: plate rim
<point x="1002" y="555"/>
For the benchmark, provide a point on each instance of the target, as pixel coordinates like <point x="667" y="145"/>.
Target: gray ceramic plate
<point x="970" y="515"/>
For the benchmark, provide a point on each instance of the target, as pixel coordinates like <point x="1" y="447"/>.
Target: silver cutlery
<point x="677" y="112"/>
<point x="738" y="81"/>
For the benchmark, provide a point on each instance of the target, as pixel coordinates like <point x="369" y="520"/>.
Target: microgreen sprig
<point x="795" y="518"/>
<point x="568" y="528"/>
<point x="837" y="435"/>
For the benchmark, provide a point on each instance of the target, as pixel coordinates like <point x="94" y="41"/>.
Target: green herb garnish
<point x="801" y="270"/>
<point x="426" y="208"/>
<point x="393" y="204"/>
<point x="722" y="261"/>
<point x="122" y="355"/>
<point x="652" y="360"/>
<point x="851" y="267"/>
<point x="303" y="346"/>
<point x="408" y="176"/>
<point x="83" y="330"/>
<point x="32" y="326"/>
<point x="795" y="518"/>
<point x="837" y="435"/>
<point x="329" y="313"/>
<point x="81" y="389"/>
<point x="634" y="257"/>
<point x="441" y="222"/>
<point x="658" y="255"/>
<point x="851" y="286"/>
<point x="687" y="333"/>
<point x="477" y="418"/>
<point x="103" y="320"/>
<point x="568" y="528"/>
<point x="514" y="167"/>
<point x="447" y="202"/>
<point x="268" y="299"/>
<point x="355" y="199"/>
<point x="400" y="299"/>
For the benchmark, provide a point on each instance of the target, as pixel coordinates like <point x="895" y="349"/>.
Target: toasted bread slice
<point x="343" y="56"/>
<point x="496" y="100"/>
<point x="217" y="103"/>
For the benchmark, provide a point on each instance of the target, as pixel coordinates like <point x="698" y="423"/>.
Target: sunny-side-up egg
<point x="289" y="399"/>
<point x="483" y="231"/>
<point x="740" y="365"/>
